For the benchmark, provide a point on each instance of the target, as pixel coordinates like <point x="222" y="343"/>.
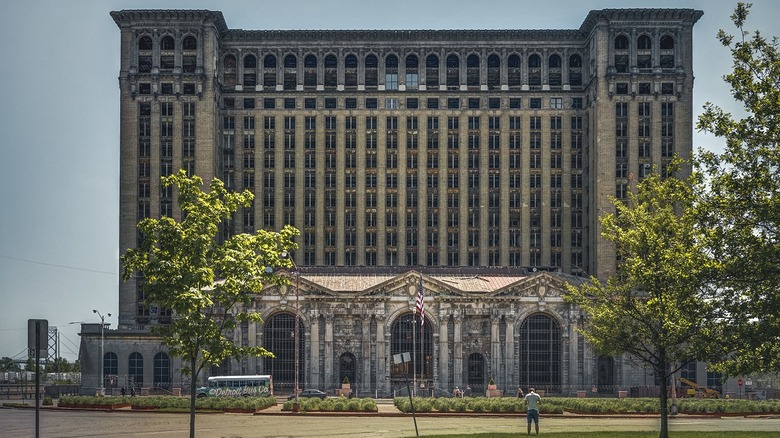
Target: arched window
<point x="135" y="370"/>
<point x="476" y="372"/>
<point x="229" y="63"/>
<point x="406" y="336"/>
<point x="110" y="368"/>
<point x="432" y="72"/>
<point x="350" y="71"/>
<point x="621" y="42"/>
<point x="167" y="46"/>
<point x="372" y="71"/>
<point x="391" y="72"/>
<point x="145" y="43"/>
<point x="644" y="43"/>
<point x="644" y="56"/>
<point x="540" y="353"/>
<point x="250" y="74"/>
<point x="269" y="71"/>
<point x="310" y="71"/>
<point x="575" y="70"/>
<point x="605" y="374"/>
<point x="514" y="73"/>
<point x="554" y="70"/>
<point x="189" y="43"/>
<point x="162" y="371"/>
<point x="534" y="70"/>
<point x="472" y="70"/>
<point x="189" y="58"/>
<point x="412" y="71"/>
<point x="279" y="337"/>
<point x="667" y="52"/>
<point x="290" y="72"/>
<point x="621" y="54"/>
<point x="145" y="54"/>
<point x="331" y="71"/>
<point x="494" y="72"/>
<point x="167" y="43"/>
<point x="667" y="42"/>
<point x="347" y="368"/>
<point x="453" y="72"/>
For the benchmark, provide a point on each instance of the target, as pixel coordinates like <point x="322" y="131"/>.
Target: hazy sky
<point x="59" y="125"/>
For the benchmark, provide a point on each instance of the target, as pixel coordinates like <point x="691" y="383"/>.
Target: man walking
<point x="532" y="400"/>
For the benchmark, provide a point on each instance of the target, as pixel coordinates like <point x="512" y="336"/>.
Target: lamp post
<point x="100" y="362"/>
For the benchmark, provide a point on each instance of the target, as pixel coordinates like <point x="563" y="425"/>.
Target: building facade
<point x="474" y="162"/>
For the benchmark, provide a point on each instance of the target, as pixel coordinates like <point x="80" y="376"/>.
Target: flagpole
<point x="414" y="351"/>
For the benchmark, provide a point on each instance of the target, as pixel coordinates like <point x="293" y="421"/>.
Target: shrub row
<point x="557" y="405"/>
<point x="333" y="405"/>
<point x="171" y="402"/>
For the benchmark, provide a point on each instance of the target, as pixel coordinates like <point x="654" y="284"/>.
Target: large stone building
<point x="474" y="163"/>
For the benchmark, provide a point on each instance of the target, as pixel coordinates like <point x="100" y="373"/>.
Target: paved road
<point x="61" y="424"/>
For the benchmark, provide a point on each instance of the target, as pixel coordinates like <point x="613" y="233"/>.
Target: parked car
<point x="309" y="393"/>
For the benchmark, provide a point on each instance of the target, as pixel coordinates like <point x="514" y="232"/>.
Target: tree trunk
<point x="193" y="388"/>
<point x="662" y="365"/>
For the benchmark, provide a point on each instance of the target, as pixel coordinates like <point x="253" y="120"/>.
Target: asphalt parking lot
<point x="60" y="423"/>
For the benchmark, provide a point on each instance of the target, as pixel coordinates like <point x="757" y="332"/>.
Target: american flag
<point x="420" y="305"/>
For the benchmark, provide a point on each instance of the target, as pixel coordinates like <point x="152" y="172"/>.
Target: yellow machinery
<point x="707" y="392"/>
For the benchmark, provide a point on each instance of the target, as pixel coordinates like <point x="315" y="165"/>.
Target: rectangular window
<point x="576" y="102"/>
<point x="536" y="102"/>
<point x="556" y="103"/>
<point x="433" y="103"/>
<point x="514" y="102"/>
<point x="310" y="103"/>
<point x="289" y="103"/>
<point x="371" y="103"/>
<point x="330" y="103"/>
<point x="453" y="103"/>
<point x="350" y="103"/>
<point x="391" y="103"/>
<point x="412" y="103"/>
<point x="494" y="102"/>
<point x="269" y="103"/>
<point x="474" y="102"/>
<point x="249" y="103"/>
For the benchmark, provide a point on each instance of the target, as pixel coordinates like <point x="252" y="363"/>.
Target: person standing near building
<point x="532" y="400"/>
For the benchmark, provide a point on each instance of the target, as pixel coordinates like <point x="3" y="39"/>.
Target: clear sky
<point x="59" y="125"/>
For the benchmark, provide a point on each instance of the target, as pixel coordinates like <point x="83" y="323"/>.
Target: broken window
<point x="290" y="72"/>
<point x="372" y="71"/>
<point x="310" y="71"/>
<point x="412" y="72"/>
<point x="229" y="63"/>
<point x="189" y="43"/>
<point x="554" y="72"/>
<point x="432" y="71"/>
<point x="534" y="70"/>
<point x="621" y="42"/>
<point x="166" y="43"/>
<point x="331" y="75"/>
<point x="269" y="71"/>
<point x="453" y="72"/>
<point x="391" y="72"/>
<point x="575" y="70"/>
<point x="493" y="72"/>
<point x="350" y="71"/>
<point x="514" y="73"/>
<point x="472" y="71"/>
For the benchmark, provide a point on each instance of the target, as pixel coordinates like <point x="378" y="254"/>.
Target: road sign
<point x="41" y="327"/>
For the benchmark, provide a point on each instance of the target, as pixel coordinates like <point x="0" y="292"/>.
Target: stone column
<point x="328" y="378"/>
<point x="314" y="352"/>
<point x="381" y="356"/>
<point x="458" y="352"/>
<point x="366" y="353"/>
<point x="444" y="362"/>
<point x="509" y="355"/>
<point x="495" y="351"/>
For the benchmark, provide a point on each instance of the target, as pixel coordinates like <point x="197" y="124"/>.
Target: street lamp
<point x="100" y="362"/>
<point x="296" y="335"/>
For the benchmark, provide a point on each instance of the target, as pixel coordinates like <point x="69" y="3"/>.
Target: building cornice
<point x="128" y="17"/>
<point x="687" y="16"/>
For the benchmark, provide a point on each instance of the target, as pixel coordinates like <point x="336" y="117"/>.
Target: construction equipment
<point x="706" y="392"/>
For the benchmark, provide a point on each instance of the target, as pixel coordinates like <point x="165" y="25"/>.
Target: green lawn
<point x="620" y="435"/>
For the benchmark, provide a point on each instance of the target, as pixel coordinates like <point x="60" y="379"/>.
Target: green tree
<point x="655" y="307"/>
<point x="205" y="281"/>
<point x="742" y="206"/>
<point x="7" y="364"/>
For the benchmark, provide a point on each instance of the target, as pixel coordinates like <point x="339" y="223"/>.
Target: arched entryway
<point x="540" y="353"/>
<point x="408" y="336"/>
<point x="476" y="378"/>
<point x="279" y="338"/>
<point x="347" y="368"/>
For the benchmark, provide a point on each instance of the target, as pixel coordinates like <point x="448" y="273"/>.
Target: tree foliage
<point x="205" y="280"/>
<point x="656" y="307"/>
<point x="742" y="205"/>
